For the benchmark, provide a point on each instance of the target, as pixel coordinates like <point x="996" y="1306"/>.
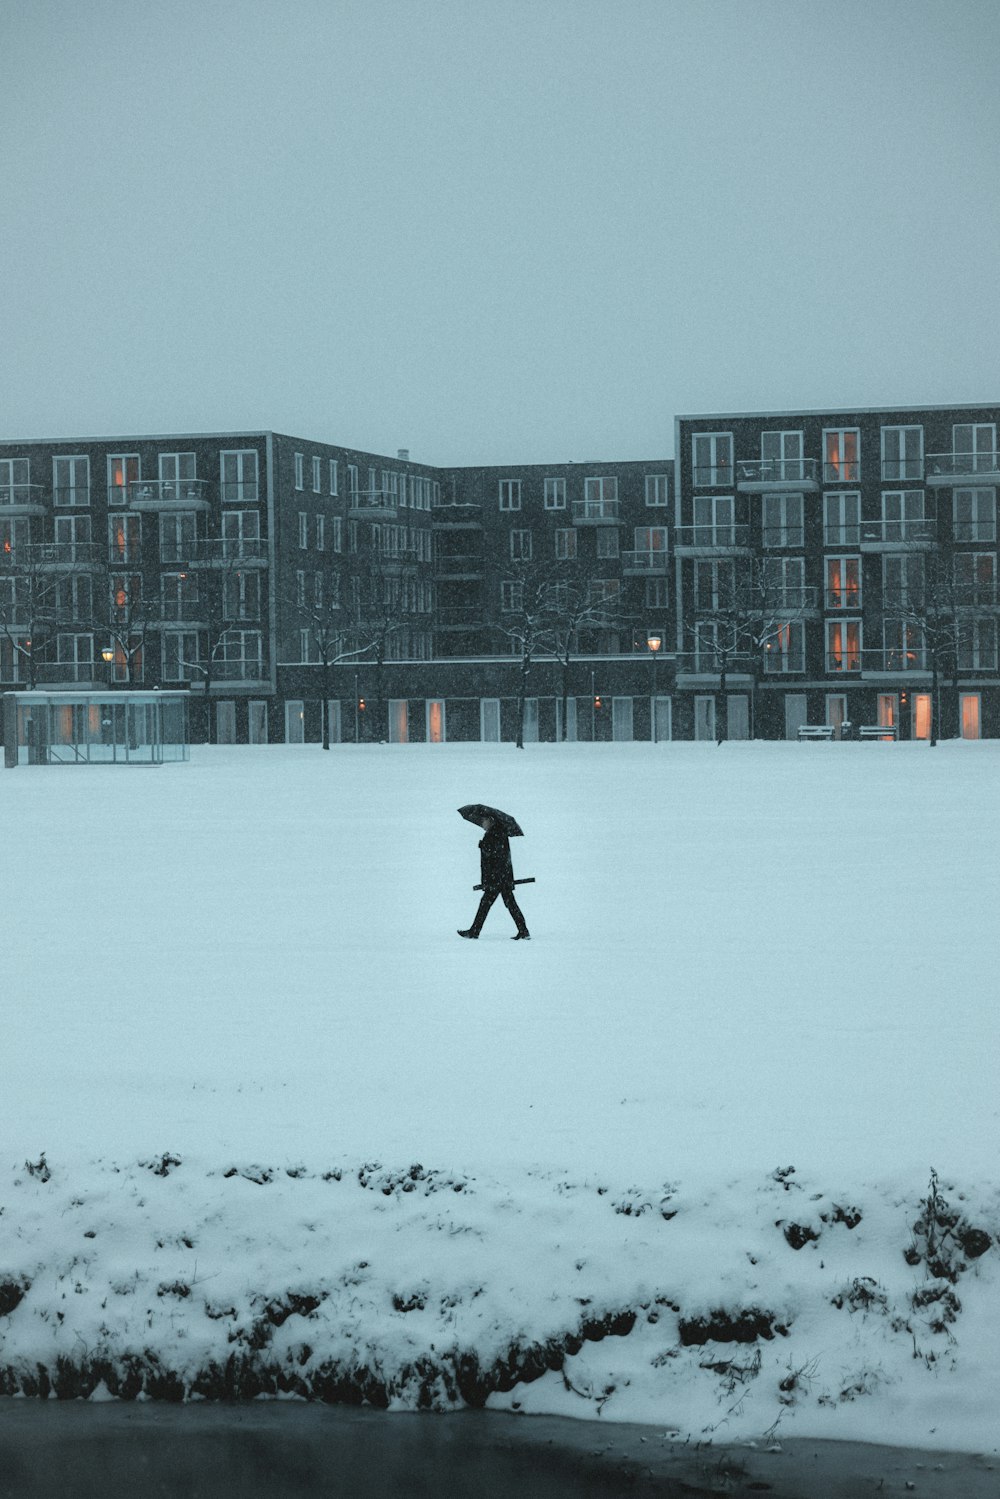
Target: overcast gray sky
<point x="492" y="230"/>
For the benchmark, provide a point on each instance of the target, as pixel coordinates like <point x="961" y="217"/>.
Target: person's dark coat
<point x="494" y="860"/>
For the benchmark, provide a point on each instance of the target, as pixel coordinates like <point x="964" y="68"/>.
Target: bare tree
<point x="579" y="602"/>
<point x="747" y="610"/>
<point x="38" y="595"/>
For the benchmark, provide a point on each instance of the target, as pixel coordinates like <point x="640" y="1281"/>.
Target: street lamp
<point x="653" y="643"/>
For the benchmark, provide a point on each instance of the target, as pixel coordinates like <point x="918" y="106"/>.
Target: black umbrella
<point x="476" y="811"/>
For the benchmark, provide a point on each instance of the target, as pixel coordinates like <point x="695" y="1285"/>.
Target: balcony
<point x="877" y="663"/>
<point x="373" y="505"/>
<point x="21" y="499"/>
<point x="794" y="601"/>
<point x="191" y="612"/>
<point x="792" y="538"/>
<point x="650" y="563"/>
<point x="712" y="475"/>
<point x="902" y="470"/>
<point x="962" y="468"/>
<point x="458" y="619"/>
<point x="218" y="551"/>
<point x="457" y="517"/>
<point x="61" y="556"/>
<point x="460" y="565"/>
<point x="773" y="475"/>
<point x="898" y="535"/>
<point x="843" y="599"/>
<point x="398" y="561"/>
<point x="725" y="540"/>
<point x="168" y="494"/>
<point x="595" y="512"/>
<point x="68" y="495"/>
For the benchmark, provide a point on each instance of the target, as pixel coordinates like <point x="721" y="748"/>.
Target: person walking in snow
<point x="497" y="879"/>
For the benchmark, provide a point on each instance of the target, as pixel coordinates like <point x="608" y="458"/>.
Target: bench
<point x="878" y="731"/>
<point x="816" y="731"/>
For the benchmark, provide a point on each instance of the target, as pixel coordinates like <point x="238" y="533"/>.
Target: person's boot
<point x="469" y="933"/>
<point x="524" y="936"/>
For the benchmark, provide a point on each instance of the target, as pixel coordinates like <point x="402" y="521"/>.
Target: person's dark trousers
<point x="507" y="896"/>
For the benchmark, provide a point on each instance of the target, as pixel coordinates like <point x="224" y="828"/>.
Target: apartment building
<point x="782" y="569"/>
<point x="842" y="567"/>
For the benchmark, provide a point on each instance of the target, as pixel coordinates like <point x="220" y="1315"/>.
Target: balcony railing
<point x="168" y="494"/>
<point x="842" y="598"/>
<point x="793" y="537"/>
<point x="712" y="475"/>
<point x="453" y="619"/>
<point x="915" y="532"/>
<point x="842" y="471"/>
<point x="648" y="562"/>
<point x="962" y="468"/>
<point x="595" y="512"/>
<point x="182" y="611"/>
<point x="55" y="555"/>
<point x="219" y="551"/>
<point x="449" y="514"/>
<point x="722" y="537"/>
<point x="896" y="469"/>
<point x="373" y="505"/>
<point x="463" y="564"/>
<point x="73" y="494"/>
<point x="855" y="662"/>
<point x="247" y="669"/>
<point x="793" y="599"/>
<point x="762" y="474"/>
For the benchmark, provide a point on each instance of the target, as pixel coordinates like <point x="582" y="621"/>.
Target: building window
<point x="565" y="540"/>
<point x="300" y="482"/>
<point x="714" y="584"/>
<point x="240" y="533"/>
<point x="902" y="452"/>
<point x="712" y="458"/>
<point x="781" y="456"/>
<point x="300" y="589"/>
<point x="975" y="578"/>
<point x="608" y="543"/>
<point x="601" y="492"/>
<point x="785" y="649"/>
<point x="714" y="520"/>
<point x="903" y="516"/>
<point x="511" y="596"/>
<point x="783" y="524"/>
<point x="180" y="656"/>
<point x="239" y="476"/>
<point x="520" y="546"/>
<point x="334" y="477"/>
<point x="656" y="489"/>
<point x="338" y="533"/>
<point x="977" y="645"/>
<point x="975" y="514"/>
<point x="240" y="656"/>
<point x="241" y="595"/>
<point x="303" y="529"/>
<point x="180" y="597"/>
<point x="124" y="537"/>
<point x="71" y="481"/>
<point x="317" y="475"/>
<point x="123" y="470"/>
<point x="352" y="480"/>
<point x="843" y="645"/>
<point x="177" y="537"/>
<point x="14" y="481"/>
<point x="842" y="519"/>
<point x="178" y="476"/>
<point x="73" y="538"/>
<point x="841" y="455"/>
<point x="510" y="494"/>
<point x="657" y="596"/>
<point x="555" y="494"/>
<point x="902" y="581"/>
<point x="843" y="583"/>
<point x="976" y="444"/>
<point x="321" y="533"/>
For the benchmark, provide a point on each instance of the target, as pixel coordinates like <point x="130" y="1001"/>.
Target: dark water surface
<point x="75" y="1450"/>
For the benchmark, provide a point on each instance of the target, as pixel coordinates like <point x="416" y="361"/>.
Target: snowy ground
<point x="237" y="1014"/>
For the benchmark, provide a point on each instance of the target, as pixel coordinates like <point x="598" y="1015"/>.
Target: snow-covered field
<point x="267" y="1123"/>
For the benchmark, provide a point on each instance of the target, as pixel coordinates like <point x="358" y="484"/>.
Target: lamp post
<point x="653" y="643"/>
<point x="107" y="656"/>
